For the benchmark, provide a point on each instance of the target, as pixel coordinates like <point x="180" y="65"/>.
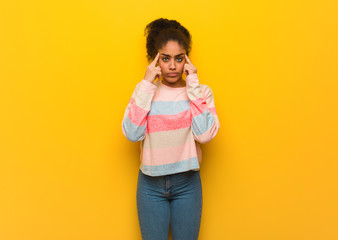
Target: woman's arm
<point x="134" y="123"/>
<point x="204" y="123"/>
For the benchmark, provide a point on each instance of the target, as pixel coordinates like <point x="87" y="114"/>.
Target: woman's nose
<point x="172" y="65"/>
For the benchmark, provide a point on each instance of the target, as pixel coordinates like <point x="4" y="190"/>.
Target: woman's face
<point x="171" y="62"/>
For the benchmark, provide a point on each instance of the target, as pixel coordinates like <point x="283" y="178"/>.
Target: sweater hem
<point x="182" y="166"/>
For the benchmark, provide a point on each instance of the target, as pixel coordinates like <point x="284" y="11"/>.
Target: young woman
<point x="171" y="117"/>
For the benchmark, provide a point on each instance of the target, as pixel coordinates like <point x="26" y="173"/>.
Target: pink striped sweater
<point x="171" y="123"/>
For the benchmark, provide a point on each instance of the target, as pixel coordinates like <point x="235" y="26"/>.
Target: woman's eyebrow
<point x="175" y="56"/>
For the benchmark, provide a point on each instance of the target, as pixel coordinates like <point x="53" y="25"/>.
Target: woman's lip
<point x="172" y="74"/>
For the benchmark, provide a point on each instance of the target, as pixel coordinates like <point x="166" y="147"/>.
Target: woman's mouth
<point x="172" y="74"/>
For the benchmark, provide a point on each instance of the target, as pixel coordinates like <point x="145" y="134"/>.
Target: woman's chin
<point x="174" y="82"/>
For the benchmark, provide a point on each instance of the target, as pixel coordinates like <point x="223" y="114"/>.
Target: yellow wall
<point x="67" y="71"/>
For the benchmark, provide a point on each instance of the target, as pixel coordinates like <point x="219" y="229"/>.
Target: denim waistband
<point x="173" y="178"/>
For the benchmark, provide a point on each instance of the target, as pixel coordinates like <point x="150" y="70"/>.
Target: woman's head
<point x="172" y="41"/>
<point x="160" y="31"/>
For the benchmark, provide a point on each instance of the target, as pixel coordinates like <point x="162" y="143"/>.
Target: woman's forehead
<point x="171" y="55"/>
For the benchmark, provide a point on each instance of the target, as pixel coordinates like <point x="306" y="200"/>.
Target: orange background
<point x="68" y="69"/>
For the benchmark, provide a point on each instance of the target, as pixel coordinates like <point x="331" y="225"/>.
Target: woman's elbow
<point x="132" y="135"/>
<point x="208" y="135"/>
<point x="134" y="138"/>
<point x="132" y="132"/>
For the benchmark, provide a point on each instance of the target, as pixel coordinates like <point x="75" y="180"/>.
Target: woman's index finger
<point x="188" y="59"/>
<point x="155" y="59"/>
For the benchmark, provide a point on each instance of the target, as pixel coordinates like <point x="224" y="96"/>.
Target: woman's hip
<point x="170" y="185"/>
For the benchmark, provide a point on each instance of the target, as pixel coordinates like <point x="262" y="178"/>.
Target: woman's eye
<point x="165" y="59"/>
<point x="180" y="59"/>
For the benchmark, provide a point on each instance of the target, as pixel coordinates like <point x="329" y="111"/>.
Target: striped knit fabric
<point x="171" y="123"/>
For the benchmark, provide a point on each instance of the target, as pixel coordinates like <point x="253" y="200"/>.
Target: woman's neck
<point x="179" y="83"/>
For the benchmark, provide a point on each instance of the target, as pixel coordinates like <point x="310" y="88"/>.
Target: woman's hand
<point x="153" y="71"/>
<point x="188" y="67"/>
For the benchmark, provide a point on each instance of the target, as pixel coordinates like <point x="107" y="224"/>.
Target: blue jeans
<point x="174" y="199"/>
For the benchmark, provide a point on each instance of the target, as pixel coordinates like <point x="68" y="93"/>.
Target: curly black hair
<point x="160" y="31"/>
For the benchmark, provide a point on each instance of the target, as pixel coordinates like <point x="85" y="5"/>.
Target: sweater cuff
<point x="192" y="79"/>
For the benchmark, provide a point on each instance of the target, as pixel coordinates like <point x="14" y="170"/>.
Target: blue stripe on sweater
<point x="202" y="122"/>
<point x="133" y="132"/>
<point x="169" y="108"/>
<point x="181" y="166"/>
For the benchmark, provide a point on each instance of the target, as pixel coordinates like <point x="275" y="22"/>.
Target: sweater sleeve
<point x="134" y="123"/>
<point x="204" y="123"/>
